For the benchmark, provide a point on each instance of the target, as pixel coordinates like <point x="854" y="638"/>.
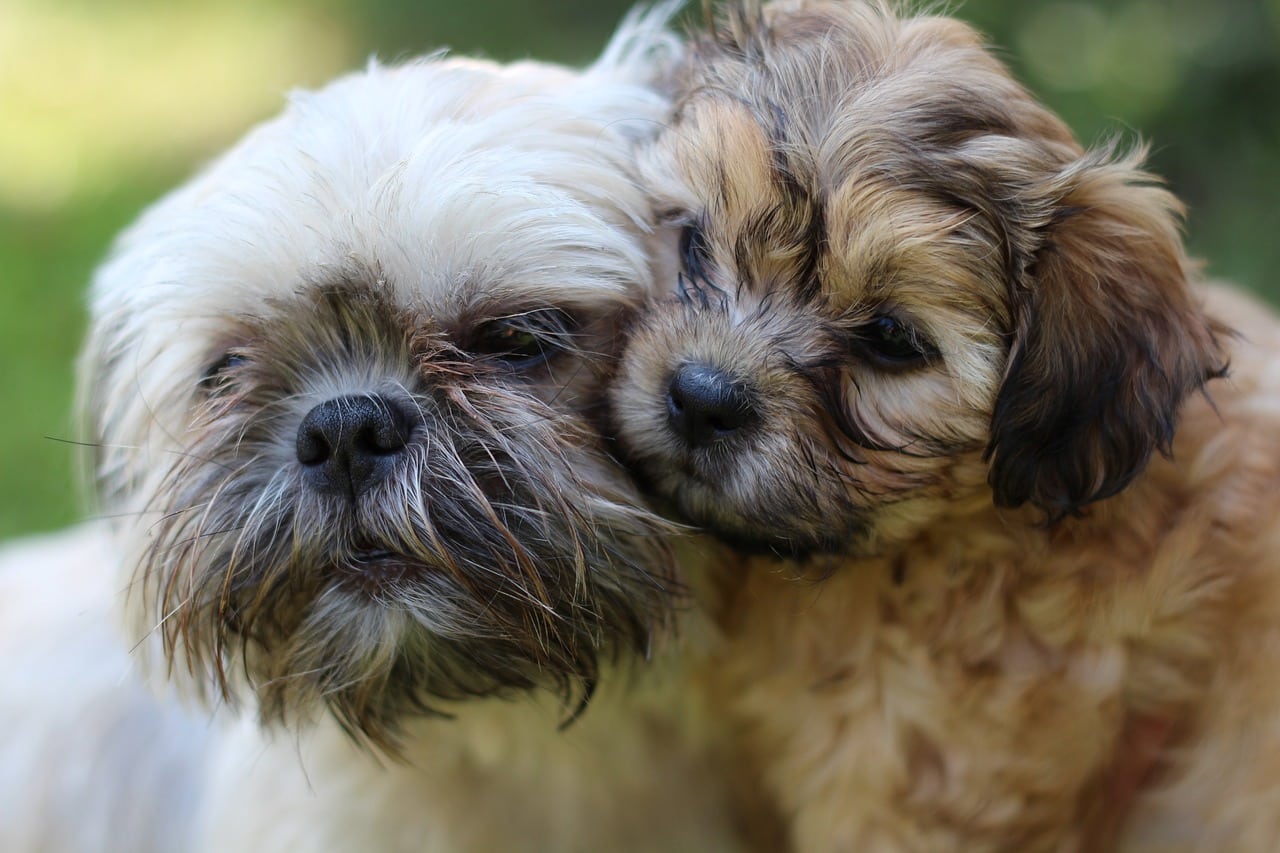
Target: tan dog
<point x="958" y="370"/>
<point x="344" y="388"/>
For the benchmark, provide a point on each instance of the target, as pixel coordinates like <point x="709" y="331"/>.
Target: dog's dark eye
<point x="522" y="340"/>
<point x="508" y="342"/>
<point x="221" y="370"/>
<point x="694" y="252"/>
<point x="889" y="342"/>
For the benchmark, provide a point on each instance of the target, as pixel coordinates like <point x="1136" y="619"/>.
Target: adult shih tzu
<point x="343" y="389"/>
<point x="1003" y="544"/>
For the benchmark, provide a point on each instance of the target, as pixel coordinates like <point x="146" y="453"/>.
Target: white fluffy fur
<point x="427" y="172"/>
<point x="91" y="760"/>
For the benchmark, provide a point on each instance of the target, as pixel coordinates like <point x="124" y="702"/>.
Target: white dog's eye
<point x="890" y="343"/>
<point x="221" y="369"/>
<point x="507" y="342"/>
<point x="522" y="340"/>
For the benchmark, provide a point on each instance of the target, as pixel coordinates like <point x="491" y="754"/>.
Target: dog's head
<point x="344" y="388"/>
<point x="904" y="286"/>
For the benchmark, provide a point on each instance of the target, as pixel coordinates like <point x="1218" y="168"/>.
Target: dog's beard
<point x="502" y="552"/>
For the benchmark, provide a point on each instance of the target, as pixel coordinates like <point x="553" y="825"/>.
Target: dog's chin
<point x="377" y="633"/>
<point x="771" y="529"/>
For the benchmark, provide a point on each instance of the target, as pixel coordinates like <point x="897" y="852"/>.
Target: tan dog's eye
<point x="694" y="252"/>
<point x="890" y="343"/>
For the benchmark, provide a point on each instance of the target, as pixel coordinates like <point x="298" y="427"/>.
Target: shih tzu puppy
<point x="1003" y="544"/>
<point x="343" y="388"/>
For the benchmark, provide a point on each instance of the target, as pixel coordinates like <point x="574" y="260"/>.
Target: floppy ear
<point x="1108" y="341"/>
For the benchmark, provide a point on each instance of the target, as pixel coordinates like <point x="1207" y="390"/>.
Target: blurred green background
<point x="104" y="104"/>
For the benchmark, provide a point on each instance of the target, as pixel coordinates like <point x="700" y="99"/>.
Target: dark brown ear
<point x="1109" y="340"/>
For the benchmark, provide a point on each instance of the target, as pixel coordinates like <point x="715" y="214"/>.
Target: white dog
<point x="343" y="388"/>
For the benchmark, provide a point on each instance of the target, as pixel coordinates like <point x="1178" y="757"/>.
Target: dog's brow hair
<point x="804" y="206"/>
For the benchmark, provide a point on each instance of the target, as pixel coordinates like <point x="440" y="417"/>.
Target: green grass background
<point x="104" y="104"/>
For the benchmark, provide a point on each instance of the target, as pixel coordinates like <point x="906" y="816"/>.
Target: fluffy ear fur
<point x="1108" y="342"/>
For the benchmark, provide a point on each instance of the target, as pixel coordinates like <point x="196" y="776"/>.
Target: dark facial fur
<point x="474" y="568"/>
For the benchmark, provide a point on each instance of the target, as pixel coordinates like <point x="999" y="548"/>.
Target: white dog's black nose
<point x="349" y="443"/>
<point x="705" y="404"/>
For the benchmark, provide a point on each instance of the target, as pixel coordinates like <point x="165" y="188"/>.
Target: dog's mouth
<point x="371" y="571"/>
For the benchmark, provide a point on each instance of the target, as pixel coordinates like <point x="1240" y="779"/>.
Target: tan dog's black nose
<point x="706" y="405"/>
<point x="348" y="443"/>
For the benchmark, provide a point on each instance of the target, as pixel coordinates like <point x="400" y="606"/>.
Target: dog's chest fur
<point x="981" y="683"/>
<point x="638" y="771"/>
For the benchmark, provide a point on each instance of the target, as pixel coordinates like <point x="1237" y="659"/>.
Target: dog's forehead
<point x="861" y="228"/>
<point x="448" y="181"/>
<point x="504" y="186"/>
<point x="849" y="156"/>
<point x="724" y="161"/>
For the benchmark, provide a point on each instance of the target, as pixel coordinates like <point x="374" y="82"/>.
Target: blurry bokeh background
<point x="104" y="104"/>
